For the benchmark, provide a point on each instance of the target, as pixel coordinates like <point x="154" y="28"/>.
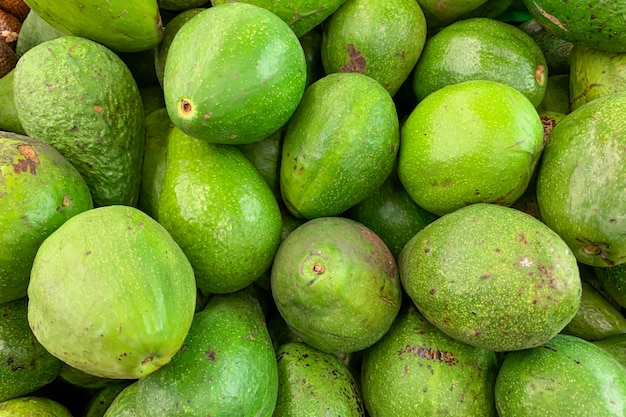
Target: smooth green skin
<point x="481" y="49"/>
<point x="491" y="9"/>
<point x="226" y="367"/>
<point x="380" y="39"/>
<point x="596" y="319"/>
<point x="79" y="97"/>
<point x="158" y="128"/>
<point x="33" y="406"/>
<point x="339" y="147"/>
<point x="555" y="50"/>
<point x="118" y="25"/>
<point x="613" y="281"/>
<point x="81" y="379"/>
<point x="171" y="29"/>
<point x="565" y="376"/>
<point x="116" y="302"/>
<point x="392" y="214"/>
<point x="336" y="284"/>
<point x="314" y="383"/>
<point x="34" y="31"/>
<point x="476" y="141"/>
<point x="416" y="369"/>
<point x="25" y="365"/>
<point x="581" y="180"/>
<point x="441" y="13"/>
<point x="492" y="277"/>
<point x="265" y="155"/>
<point x="39" y="191"/>
<point x="125" y="404"/>
<point x="102" y="400"/>
<point x="615" y="346"/>
<point x="597" y="24"/>
<point x="181" y="5"/>
<point x="312" y="45"/>
<point x="557" y="96"/>
<point x="221" y="212"/>
<point x="594" y="74"/>
<point x="234" y="74"/>
<point x="301" y="15"/>
<point x="8" y="113"/>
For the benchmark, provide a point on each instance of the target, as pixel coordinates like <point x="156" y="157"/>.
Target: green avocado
<point x="84" y="380"/>
<point x="557" y="96"/>
<point x="440" y="13"/>
<point x="78" y="96"/>
<point x="265" y="156"/>
<point x="100" y="402"/>
<point x="613" y="281"/>
<point x="9" y="121"/>
<point x="34" y="31"/>
<point x="32" y="406"/>
<point x="125" y="403"/>
<point x="556" y="50"/>
<point x="615" y="346"/>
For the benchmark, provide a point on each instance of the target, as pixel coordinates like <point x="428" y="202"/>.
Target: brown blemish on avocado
<point x="185" y="107"/>
<point x="210" y="355"/>
<point x="430" y="354"/>
<point x="29" y="164"/>
<point x="97" y="108"/>
<point x="318" y="269"/>
<point x="147" y="360"/>
<point x="387" y="300"/>
<point x="207" y="116"/>
<point x="66" y="201"/>
<point x="485" y="276"/>
<point x="540" y="72"/>
<point x="356" y="63"/>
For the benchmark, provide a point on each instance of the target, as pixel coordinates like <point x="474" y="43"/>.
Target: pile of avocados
<point x="306" y="208"/>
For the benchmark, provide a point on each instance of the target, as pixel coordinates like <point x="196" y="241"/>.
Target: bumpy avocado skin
<point x="79" y="97"/>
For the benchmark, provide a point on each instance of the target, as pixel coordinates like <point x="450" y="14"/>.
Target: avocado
<point x="615" y="346"/>
<point x="25" y="365"/>
<point x="418" y="370"/>
<point x="380" y="39"/>
<point x="116" y="302"/>
<point x="492" y="277"/>
<point x="581" y="180"/>
<point x="265" y="155"/>
<point x="314" y="383"/>
<point x="181" y="5"/>
<point x="125" y="403"/>
<point x="78" y="96"/>
<point x="334" y="156"/>
<point x="35" y="30"/>
<point x="100" y="402"/>
<point x="556" y="50"/>
<point x="557" y="96"/>
<point x="80" y="379"/>
<point x="39" y="191"/>
<point x="152" y="98"/>
<point x="335" y="283"/>
<point x="312" y="46"/>
<point x="564" y="376"/>
<point x="33" y="406"/>
<point x="481" y="48"/>
<point x="9" y="120"/>
<point x="234" y="74"/>
<point x="613" y="281"/>
<point x="442" y="13"/>
<point x="226" y="366"/>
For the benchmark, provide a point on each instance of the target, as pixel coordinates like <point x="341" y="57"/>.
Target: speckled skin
<point x="481" y="49"/>
<point x="33" y="406"/>
<point x="471" y="142"/>
<point x="594" y="74"/>
<point x="613" y="281"/>
<point x="100" y="402"/>
<point x="234" y="74"/>
<point x="566" y="376"/>
<point x="381" y="39"/>
<point x="336" y="284"/>
<point x="119" y="25"/>
<point x="39" y="191"/>
<point x="597" y="24"/>
<point x="314" y="383"/>
<point x="79" y="97"/>
<point x="615" y="346"/>
<point x="226" y="367"/>
<point x="340" y="145"/>
<point x="581" y="181"/>
<point x="492" y="277"/>
<point x="300" y="15"/>
<point x="25" y="365"/>
<point x="111" y="293"/>
<point x="556" y="50"/>
<point x="125" y="404"/>
<point x="556" y="98"/>
<point x="440" y="13"/>
<point x="417" y="370"/>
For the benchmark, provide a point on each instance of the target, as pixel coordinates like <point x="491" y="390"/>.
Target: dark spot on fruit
<point x="183" y="348"/>
<point x="592" y="250"/>
<point x="485" y="276"/>
<point x="430" y="354"/>
<point x="88" y="253"/>
<point x="521" y="238"/>
<point x="185" y="107"/>
<point x="387" y="300"/>
<point x="210" y="355"/>
<point x="147" y="360"/>
<point x="497" y="250"/>
<point x="611" y="220"/>
<point x="425" y="389"/>
<point x="10" y="360"/>
<point x="97" y="108"/>
<point x="207" y="116"/>
<point x="549" y="348"/>
<point x="30" y="161"/>
<point x="432" y="291"/>
<point x="66" y="201"/>
<point x="426" y="250"/>
<point x="356" y="62"/>
<point x="317" y="268"/>
<point x="477" y="332"/>
<point x="140" y="224"/>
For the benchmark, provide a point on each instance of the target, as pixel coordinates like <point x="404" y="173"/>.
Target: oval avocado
<point x="125" y="403"/>
<point x="33" y="406"/>
<point x="613" y="281"/>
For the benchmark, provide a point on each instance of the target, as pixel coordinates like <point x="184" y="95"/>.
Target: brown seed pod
<point x="16" y="8"/>
<point x="9" y="29"/>
<point x="8" y="59"/>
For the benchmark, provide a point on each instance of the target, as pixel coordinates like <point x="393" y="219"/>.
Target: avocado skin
<point x="103" y="398"/>
<point x="9" y="121"/>
<point x="613" y="281"/>
<point x="79" y="97"/>
<point x="33" y="406"/>
<point x="125" y="403"/>
<point x="615" y="346"/>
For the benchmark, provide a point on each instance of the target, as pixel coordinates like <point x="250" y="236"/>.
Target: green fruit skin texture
<point x="481" y="49"/>
<point x="596" y="319"/>
<point x="79" y="97"/>
<point x="581" y="180"/>
<point x="565" y="376"/>
<point x="181" y="5"/>
<point x="234" y="74"/>
<point x="33" y="406"/>
<point x="118" y="25"/>
<point x="312" y="45"/>
<point x="265" y="155"/>
<point x="25" y="365"/>
<point x="477" y="141"/>
<point x="314" y="383"/>
<point x="115" y="302"/>
<point x="557" y="96"/>
<point x="615" y="346"/>
<point x="492" y="277"/>
<point x="339" y="147"/>
<point x="594" y="74"/>
<point x="34" y="31"/>
<point x="39" y="191"/>
<point x="221" y="212"/>
<point x="380" y="39"/>
<point x="597" y="24"/>
<point x="81" y="379"/>
<point x="9" y="121"/>
<point x="336" y="284"/>
<point x="555" y="50"/>
<point x="416" y="369"/>
<point x="125" y="404"/>
<point x="100" y="402"/>
<point x="301" y="15"/>
<point x="613" y="281"/>
<point x="441" y="13"/>
<point x="226" y="367"/>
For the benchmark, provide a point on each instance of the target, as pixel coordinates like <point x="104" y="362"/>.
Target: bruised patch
<point x="430" y="354"/>
<point x="30" y="161"/>
<point x="356" y="62"/>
